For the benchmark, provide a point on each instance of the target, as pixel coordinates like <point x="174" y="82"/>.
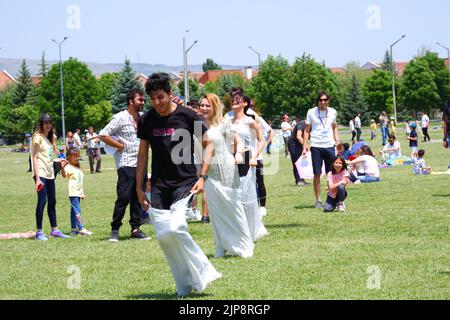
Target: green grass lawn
<point x="400" y="225"/>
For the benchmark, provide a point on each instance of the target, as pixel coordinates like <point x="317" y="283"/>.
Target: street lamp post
<point x="185" y="63"/>
<point x="448" y="59"/>
<point x="259" y="57"/>
<point x="393" y="78"/>
<point x="62" y="87"/>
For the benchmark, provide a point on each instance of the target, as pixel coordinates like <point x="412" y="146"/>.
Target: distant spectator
<point x="425" y="125"/>
<point x="358" y="126"/>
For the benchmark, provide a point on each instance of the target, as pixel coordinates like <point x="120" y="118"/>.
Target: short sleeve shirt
<point x="45" y="158"/>
<point x="335" y="178"/>
<point x="300" y="126"/>
<point x="413" y="143"/>
<point x="172" y="144"/>
<point x="75" y="176"/>
<point x="321" y="127"/>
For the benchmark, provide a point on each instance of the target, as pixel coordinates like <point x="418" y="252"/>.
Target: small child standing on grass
<point x="419" y="164"/>
<point x="337" y="180"/>
<point x="373" y="130"/>
<point x="413" y="139"/>
<point x="74" y="174"/>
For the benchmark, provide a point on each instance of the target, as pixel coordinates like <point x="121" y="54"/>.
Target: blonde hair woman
<point x="222" y="154"/>
<point x="43" y="151"/>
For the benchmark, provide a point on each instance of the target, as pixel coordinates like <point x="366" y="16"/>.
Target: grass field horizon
<point x="399" y="227"/>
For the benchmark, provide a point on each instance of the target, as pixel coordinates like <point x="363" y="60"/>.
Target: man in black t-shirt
<point x="295" y="146"/>
<point x="169" y="130"/>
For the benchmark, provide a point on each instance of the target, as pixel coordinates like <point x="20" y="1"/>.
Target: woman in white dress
<point x="251" y="134"/>
<point x="228" y="219"/>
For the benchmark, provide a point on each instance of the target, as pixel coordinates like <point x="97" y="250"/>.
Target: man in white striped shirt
<point x="121" y="133"/>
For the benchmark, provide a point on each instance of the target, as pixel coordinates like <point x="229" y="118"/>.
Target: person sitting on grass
<point x="391" y="151"/>
<point x="368" y="163"/>
<point x="337" y="180"/>
<point x="419" y="163"/>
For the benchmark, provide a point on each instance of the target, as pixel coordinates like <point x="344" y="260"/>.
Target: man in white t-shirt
<point x="93" y="147"/>
<point x="425" y="125"/>
<point x="392" y="150"/>
<point x="351" y="125"/>
<point x="321" y="126"/>
<point x="77" y="139"/>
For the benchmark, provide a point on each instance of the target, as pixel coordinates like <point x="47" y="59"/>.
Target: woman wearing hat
<point x="43" y="151"/>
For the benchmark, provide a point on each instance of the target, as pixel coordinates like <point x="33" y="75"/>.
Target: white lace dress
<point x="228" y="219"/>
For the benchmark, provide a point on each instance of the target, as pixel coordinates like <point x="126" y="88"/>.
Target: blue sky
<point x="332" y="31"/>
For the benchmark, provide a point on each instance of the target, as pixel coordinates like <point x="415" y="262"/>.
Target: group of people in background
<point x="229" y="173"/>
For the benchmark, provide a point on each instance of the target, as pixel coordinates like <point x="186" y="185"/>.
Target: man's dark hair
<point x="158" y="81"/>
<point x="132" y="93"/>
<point x="346" y="146"/>
<point x="235" y="90"/>
<point x="321" y="94"/>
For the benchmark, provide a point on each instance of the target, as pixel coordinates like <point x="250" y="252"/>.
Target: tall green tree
<point x="306" y="79"/>
<point x="270" y="87"/>
<point x="107" y="83"/>
<point x="126" y="81"/>
<point x="354" y="103"/>
<point x="419" y="91"/>
<point x="43" y="66"/>
<point x="24" y="85"/>
<point x="211" y="65"/>
<point x="352" y="68"/>
<point x="80" y="89"/>
<point x="387" y="62"/>
<point x="377" y="92"/>
<point x="194" y="89"/>
<point x="440" y="73"/>
<point x="211" y="87"/>
<point x="97" y="115"/>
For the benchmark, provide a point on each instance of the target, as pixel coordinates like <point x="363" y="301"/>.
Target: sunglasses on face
<point x="323" y="100"/>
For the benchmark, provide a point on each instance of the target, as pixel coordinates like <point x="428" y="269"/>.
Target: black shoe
<point x="205" y="219"/>
<point x="139" y="235"/>
<point x="114" y="236"/>
<point x="98" y="171"/>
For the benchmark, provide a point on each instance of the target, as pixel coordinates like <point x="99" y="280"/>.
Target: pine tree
<point x="354" y="103"/>
<point x="210" y="64"/>
<point x="43" y="66"/>
<point x="126" y="81"/>
<point x="24" y="85"/>
<point x="387" y="62"/>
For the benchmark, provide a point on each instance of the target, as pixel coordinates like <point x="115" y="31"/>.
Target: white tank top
<point x="245" y="133"/>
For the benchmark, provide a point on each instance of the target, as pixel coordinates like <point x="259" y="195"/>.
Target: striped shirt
<point x="124" y="127"/>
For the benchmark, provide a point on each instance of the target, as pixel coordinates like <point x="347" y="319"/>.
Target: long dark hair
<point x="344" y="164"/>
<point x="40" y="130"/>
<point x="248" y="100"/>
<point x="367" y="151"/>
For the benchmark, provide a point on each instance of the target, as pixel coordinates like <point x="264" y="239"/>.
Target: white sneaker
<point x="341" y="207"/>
<point x="263" y="211"/>
<point x="357" y="182"/>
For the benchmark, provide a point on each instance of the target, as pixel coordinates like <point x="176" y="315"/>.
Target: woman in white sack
<point x="250" y="133"/>
<point x="228" y="220"/>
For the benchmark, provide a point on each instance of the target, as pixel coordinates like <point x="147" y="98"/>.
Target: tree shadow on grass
<point x="444" y="273"/>
<point x="441" y="195"/>
<point x="166" y="296"/>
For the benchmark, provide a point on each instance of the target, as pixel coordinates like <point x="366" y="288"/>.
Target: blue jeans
<point x="368" y="179"/>
<point x="48" y="193"/>
<point x="384" y="133"/>
<point x="332" y="203"/>
<point x="75" y="213"/>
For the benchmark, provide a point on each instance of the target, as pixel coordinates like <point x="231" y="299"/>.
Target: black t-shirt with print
<point x="172" y="143"/>
<point x="293" y="138"/>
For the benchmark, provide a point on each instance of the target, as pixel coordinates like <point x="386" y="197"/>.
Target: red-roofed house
<point x="339" y="70"/>
<point x="6" y="80"/>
